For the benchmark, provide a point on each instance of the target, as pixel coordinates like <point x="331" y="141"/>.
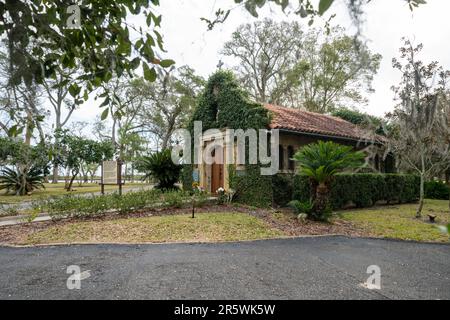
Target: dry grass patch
<point x="177" y="228"/>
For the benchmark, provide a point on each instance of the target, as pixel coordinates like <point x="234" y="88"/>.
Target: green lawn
<point x="58" y="190"/>
<point x="177" y="228"/>
<point x="399" y="221"/>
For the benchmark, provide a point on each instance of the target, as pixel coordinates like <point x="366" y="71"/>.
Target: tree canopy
<point x="278" y="63"/>
<point x="421" y="119"/>
<point x="93" y="38"/>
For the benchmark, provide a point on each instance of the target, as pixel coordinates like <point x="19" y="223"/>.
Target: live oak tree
<point x="421" y="120"/>
<point x="278" y="63"/>
<point x="362" y="119"/>
<point x="332" y="72"/>
<point x="94" y="37"/>
<point x="169" y="103"/>
<point x="265" y="51"/>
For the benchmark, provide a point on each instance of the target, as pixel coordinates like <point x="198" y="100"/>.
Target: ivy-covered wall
<point x="223" y="104"/>
<point x="251" y="187"/>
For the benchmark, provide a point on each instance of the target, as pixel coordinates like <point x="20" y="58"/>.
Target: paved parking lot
<point x="302" y="268"/>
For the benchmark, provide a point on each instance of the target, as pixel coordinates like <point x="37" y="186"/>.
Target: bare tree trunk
<point x="421" y="197"/>
<point x="55" y="174"/>
<point x="28" y="129"/>
<point x="74" y="175"/>
<point x="55" y="164"/>
<point x="165" y="142"/>
<point x="447" y="182"/>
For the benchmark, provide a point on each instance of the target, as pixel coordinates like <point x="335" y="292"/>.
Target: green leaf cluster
<point x="322" y="160"/>
<point x="362" y="190"/>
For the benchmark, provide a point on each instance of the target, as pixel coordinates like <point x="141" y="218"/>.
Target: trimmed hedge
<point x="363" y="190"/>
<point x="436" y="190"/>
<point x="262" y="191"/>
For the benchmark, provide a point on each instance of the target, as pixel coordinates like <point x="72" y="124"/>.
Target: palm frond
<point x="320" y="161"/>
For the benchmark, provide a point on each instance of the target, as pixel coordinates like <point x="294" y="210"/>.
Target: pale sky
<point x="187" y="40"/>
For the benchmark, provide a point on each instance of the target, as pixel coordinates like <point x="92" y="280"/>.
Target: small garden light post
<point x="193" y="206"/>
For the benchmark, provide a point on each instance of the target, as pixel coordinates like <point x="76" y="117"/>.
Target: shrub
<point x="78" y="206"/>
<point x="436" y="190"/>
<point x="302" y="207"/>
<point x="363" y="190"/>
<point x="160" y="167"/>
<point x="21" y="181"/>
<point x="9" y="210"/>
<point x="133" y="201"/>
<point x="201" y="199"/>
<point x="175" y="198"/>
<point x="307" y="208"/>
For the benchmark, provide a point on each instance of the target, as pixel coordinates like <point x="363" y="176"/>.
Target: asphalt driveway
<point x="304" y="268"/>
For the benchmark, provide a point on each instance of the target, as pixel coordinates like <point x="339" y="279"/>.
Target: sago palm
<point x="320" y="162"/>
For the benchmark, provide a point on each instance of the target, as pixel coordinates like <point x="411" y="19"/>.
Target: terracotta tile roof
<point x="315" y="123"/>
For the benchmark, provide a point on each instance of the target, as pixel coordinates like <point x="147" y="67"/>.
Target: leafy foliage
<point x="436" y="190"/>
<point x="282" y="188"/>
<point x="362" y="190"/>
<point x="21" y="181"/>
<point x="307" y="8"/>
<point x="251" y="187"/>
<point x="332" y="71"/>
<point x="17" y="153"/>
<point x="279" y="63"/>
<point x="160" y="166"/>
<point x="223" y="104"/>
<point x="306" y="207"/>
<point x="422" y="116"/>
<point x="322" y="160"/>
<point x="362" y="119"/>
<point x="100" y="45"/>
<point x="75" y="206"/>
<point x="74" y="152"/>
<point x="265" y="51"/>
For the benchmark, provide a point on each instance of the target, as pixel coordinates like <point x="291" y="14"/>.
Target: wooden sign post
<point x="112" y="175"/>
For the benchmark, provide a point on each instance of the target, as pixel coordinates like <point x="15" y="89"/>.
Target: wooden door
<point x="217" y="178"/>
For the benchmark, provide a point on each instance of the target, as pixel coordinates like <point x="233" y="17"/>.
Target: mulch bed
<point x="293" y="227"/>
<point x="289" y="224"/>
